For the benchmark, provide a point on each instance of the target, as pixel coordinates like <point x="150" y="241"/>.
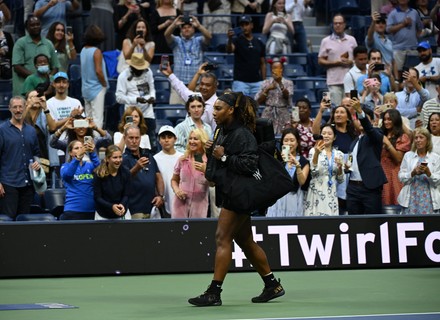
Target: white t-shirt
<point x="61" y="109"/>
<point x="430" y="70"/>
<point x="166" y="164"/>
<point x="145" y="140"/>
<point x="435" y="144"/>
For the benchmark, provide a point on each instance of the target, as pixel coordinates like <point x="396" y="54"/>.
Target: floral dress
<point x="321" y="198"/>
<point x="420" y="201"/>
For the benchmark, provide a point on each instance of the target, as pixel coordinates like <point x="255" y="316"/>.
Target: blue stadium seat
<point x="310" y="83"/>
<point x="218" y="42"/>
<point x="35" y="217"/>
<point x="161" y="84"/>
<point x="5" y="218"/>
<point x="225" y="71"/>
<point x="297" y="58"/>
<point x="162" y="122"/>
<point x="170" y="112"/>
<point x="5" y="85"/>
<point x="294" y="70"/>
<point x="75" y="81"/>
<point x="54" y="201"/>
<point x="411" y="61"/>
<point x="162" y="96"/>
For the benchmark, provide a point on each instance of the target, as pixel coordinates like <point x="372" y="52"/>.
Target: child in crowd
<point x="166" y="160"/>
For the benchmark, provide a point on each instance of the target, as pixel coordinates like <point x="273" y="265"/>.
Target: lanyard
<point x="330" y="168"/>
<point x="186" y="53"/>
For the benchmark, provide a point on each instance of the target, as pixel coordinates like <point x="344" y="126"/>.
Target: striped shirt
<point x="183" y="130"/>
<point x="429" y="107"/>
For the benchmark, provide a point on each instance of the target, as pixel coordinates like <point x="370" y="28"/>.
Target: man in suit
<point x="364" y="191"/>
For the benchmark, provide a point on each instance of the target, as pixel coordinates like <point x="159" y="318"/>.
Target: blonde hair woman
<point x="420" y="174"/>
<point x="111" y="182"/>
<point x="189" y="182"/>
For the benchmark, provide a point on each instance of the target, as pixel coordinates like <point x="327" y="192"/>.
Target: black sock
<point x="269" y="280"/>
<point x="215" y="286"/>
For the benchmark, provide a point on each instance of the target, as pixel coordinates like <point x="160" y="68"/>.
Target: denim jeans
<point x="248" y="88"/>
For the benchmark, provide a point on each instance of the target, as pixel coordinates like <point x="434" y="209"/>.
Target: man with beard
<point x="28" y="47"/>
<point x="18" y="145"/>
<point x="135" y="87"/>
<point x="429" y="68"/>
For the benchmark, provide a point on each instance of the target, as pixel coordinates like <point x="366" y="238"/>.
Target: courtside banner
<point x="67" y="248"/>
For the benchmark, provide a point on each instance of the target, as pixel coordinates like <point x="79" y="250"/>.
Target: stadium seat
<point x="5" y="218"/>
<point x="6" y="85"/>
<point x="54" y="201"/>
<point x="171" y="113"/>
<point x="225" y="71"/>
<point x="218" y="42"/>
<point x="35" y="217"/>
<point x="391" y="209"/>
<point x="75" y="81"/>
<point x="162" y="122"/>
<point x="162" y="96"/>
<point x="294" y="70"/>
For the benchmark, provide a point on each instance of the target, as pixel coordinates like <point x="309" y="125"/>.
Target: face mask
<point x="43" y="69"/>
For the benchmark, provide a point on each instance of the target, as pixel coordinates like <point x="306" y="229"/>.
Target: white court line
<point x="348" y="316"/>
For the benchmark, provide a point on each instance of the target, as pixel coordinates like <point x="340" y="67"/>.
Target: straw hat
<point x="138" y="62"/>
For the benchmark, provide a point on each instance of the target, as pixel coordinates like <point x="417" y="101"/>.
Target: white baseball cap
<point x="167" y="129"/>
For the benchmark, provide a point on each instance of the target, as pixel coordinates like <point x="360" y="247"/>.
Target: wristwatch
<point x="162" y="196"/>
<point x="223" y="158"/>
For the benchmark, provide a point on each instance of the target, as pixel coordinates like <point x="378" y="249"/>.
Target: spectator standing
<point x="25" y="49"/>
<point x="364" y="191"/>
<point x="377" y="38"/>
<point x="435" y="16"/>
<point x="298" y="168"/>
<point x="395" y="144"/>
<point x="296" y="9"/>
<point x="63" y="43"/>
<point x="430" y="106"/>
<point x="412" y="97"/>
<point x="50" y="11"/>
<point x="276" y="94"/>
<point x="207" y="89"/>
<point x="278" y="25"/>
<point x="138" y="40"/>
<point x="6" y="47"/>
<point x="420" y="174"/>
<point x="220" y="20"/>
<point x="195" y="107"/>
<point x="434" y="129"/>
<point x="188" y="182"/>
<point x="160" y="20"/>
<point x="146" y="180"/>
<point x="18" y="145"/>
<point x="38" y="116"/>
<point x="336" y="54"/>
<point x="137" y="120"/>
<point x="101" y="14"/>
<point x="77" y="175"/>
<point x="112" y="186"/>
<point x="405" y="26"/>
<point x="249" y="59"/>
<point x="125" y="13"/>
<point x="166" y="160"/>
<point x="40" y="78"/>
<point x="135" y="87"/>
<point x="429" y="68"/>
<point x="387" y="80"/>
<point x="304" y="126"/>
<point x="102" y="139"/>
<point x="188" y="49"/>
<point x="360" y="57"/>
<point x="93" y="75"/>
<point x="326" y="171"/>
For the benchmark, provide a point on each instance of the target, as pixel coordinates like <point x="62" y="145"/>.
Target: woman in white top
<point x="279" y="24"/>
<point x="138" y="40"/>
<point x="132" y="116"/>
<point x="420" y="174"/>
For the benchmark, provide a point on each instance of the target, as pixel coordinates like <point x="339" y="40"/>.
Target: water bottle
<point x="32" y="172"/>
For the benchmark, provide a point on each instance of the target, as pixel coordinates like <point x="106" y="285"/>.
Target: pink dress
<point x="196" y="187"/>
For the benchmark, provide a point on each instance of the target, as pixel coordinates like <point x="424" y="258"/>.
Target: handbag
<point x="268" y="183"/>
<point x="214" y="5"/>
<point x="39" y="181"/>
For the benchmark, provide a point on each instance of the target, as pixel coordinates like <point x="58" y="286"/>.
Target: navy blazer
<point x="369" y="154"/>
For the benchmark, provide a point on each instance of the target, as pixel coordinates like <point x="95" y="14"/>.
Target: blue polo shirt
<point x="405" y="38"/>
<point x="17" y="147"/>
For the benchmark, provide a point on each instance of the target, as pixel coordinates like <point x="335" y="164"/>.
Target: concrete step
<point x="315" y="38"/>
<point x="325" y="31"/>
<point x="309" y="21"/>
